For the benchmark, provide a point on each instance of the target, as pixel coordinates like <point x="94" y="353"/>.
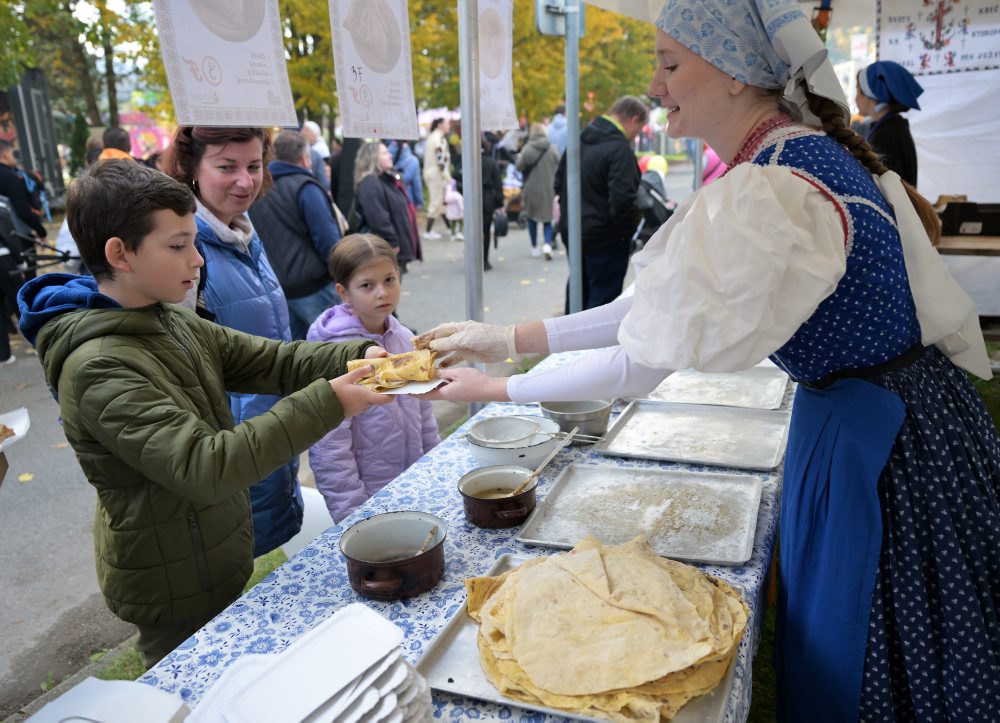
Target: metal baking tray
<point x="451" y="665"/>
<point x="706" y="517"/>
<point x="759" y="387"/>
<point x="698" y="434"/>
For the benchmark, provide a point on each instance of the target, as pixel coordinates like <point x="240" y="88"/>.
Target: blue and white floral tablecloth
<point x="313" y="584"/>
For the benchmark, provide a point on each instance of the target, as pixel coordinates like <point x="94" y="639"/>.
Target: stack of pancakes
<point x="611" y="632"/>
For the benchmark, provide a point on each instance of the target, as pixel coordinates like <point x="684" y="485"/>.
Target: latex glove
<point x="470" y="341"/>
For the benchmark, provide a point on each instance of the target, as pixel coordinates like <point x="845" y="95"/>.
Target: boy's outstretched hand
<point x="375" y="352"/>
<point x="353" y="397"/>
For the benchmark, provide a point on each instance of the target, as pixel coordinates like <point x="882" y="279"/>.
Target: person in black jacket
<point x="12" y="186"/>
<point x="298" y="226"/>
<point x="609" y="184"/>
<point x="886" y="90"/>
<point x="342" y="173"/>
<point x="382" y="204"/>
<point x="492" y="195"/>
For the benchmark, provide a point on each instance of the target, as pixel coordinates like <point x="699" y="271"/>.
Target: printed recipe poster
<point x="496" y="88"/>
<point x="371" y="58"/>
<point x="225" y="62"/>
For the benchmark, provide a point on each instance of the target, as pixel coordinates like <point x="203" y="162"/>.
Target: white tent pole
<point x="573" y="14"/>
<point x="472" y="161"/>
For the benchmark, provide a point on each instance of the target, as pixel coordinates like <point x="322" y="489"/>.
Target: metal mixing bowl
<point x="591" y="416"/>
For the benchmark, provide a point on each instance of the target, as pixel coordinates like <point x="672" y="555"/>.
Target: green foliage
<point x="49" y="683"/>
<point x="264" y="566"/>
<point x="69" y="40"/>
<point x="615" y="58"/>
<point x="763" y="708"/>
<point x="16" y="52"/>
<point x="310" y="57"/>
<point x="78" y="144"/>
<point x="125" y="665"/>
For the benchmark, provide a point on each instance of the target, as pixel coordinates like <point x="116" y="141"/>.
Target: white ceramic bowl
<point x="503" y="431"/>
<point x="528" y="453"/>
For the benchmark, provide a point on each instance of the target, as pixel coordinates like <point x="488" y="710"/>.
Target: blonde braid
<point x="832" y="118"/>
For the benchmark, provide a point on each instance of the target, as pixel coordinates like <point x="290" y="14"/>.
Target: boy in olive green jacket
<point x="142" y="385"/>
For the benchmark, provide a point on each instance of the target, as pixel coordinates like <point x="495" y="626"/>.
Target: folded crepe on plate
<point x="392" y="372"/>
<point x="611" y="632"/>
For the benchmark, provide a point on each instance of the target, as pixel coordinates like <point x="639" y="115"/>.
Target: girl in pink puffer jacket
<point x="363" y="454"/>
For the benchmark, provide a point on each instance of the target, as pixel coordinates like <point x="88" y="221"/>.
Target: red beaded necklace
<point x="756" y="137"/>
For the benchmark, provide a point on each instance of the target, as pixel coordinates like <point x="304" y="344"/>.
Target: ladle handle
<point x="530" y="478"/>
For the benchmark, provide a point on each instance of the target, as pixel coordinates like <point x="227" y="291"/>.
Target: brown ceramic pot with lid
<point x="486" y="496"/>
<point x="383" y="558"/>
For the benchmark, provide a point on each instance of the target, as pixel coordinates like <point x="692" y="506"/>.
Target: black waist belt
<point x="905" y="359"/>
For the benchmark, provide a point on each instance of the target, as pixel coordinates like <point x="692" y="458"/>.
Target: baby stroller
<point x="656" y="208"/>
<point x="513" y="198"/>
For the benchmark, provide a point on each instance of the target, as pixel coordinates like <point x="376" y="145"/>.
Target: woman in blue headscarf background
<point x="885" y="91"/>
<point x="811" y="252"/>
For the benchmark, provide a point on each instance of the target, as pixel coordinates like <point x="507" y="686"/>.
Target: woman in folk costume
<point x="886" y="90"/>
<point x="809" y="252"/>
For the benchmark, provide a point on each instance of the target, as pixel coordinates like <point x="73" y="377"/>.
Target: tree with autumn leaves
<point x="85" y="48"/>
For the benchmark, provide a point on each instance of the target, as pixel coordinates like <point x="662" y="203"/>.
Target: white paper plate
<point x="19" y="422"/>
<point x="415" y="387"/>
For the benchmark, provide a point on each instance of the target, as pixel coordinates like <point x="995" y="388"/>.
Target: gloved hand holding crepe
<point x="397" y="370"/>
<point x="469" y="341"/>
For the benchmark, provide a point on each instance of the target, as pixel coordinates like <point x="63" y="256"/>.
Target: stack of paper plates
<point x="349" y="668"/>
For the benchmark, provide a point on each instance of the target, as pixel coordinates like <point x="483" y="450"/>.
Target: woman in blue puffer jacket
<point x="408" y="166"/>
<point x="227" y="168"/>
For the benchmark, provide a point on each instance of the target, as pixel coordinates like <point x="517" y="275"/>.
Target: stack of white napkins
<point x="349" y="668"/>
<point x="112" y="701"/>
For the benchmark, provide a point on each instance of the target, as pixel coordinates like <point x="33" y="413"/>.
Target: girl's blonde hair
<point x="356" y="250"/>
<point x="367" y="163"/>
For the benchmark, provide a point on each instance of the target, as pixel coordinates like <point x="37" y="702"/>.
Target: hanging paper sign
<point x="496" y="87"/>
<point x="225" y="62"/>
<point x="940" y="36"/>
<point x="371" y="57"/>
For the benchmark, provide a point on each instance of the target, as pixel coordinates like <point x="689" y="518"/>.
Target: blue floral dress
<point x="890" y="529"/>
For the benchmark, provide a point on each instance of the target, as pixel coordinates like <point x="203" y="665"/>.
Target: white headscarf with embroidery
<point x="763" y="43"/>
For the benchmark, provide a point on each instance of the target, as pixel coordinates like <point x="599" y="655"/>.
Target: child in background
<point x="363" y="455"/>
<point x="141" y="385"/>
<point x="454" y="210"/>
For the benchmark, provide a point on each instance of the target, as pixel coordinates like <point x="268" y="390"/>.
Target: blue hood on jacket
<point x="50" y="295"/>
<point x="280" y="169"/>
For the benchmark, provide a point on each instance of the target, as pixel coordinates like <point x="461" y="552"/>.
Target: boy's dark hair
<point x="115" y="137"/>
<point x="117" y="197"/>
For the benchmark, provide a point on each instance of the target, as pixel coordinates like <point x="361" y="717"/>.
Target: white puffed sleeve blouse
<point x="725" y="282"/>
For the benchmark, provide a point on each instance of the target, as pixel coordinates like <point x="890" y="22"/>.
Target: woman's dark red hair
<point x="188" y="147"/>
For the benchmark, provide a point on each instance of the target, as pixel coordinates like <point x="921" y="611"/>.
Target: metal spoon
<point x="534" y="475"/>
